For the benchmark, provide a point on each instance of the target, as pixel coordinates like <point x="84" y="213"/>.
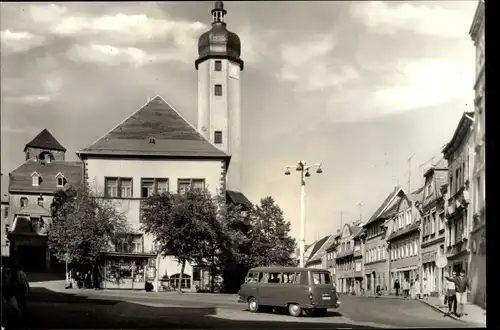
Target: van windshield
<point x="321" y="278"/>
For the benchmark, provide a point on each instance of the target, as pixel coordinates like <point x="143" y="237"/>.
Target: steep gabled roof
<point x="21" y="181"/>
<point x="322" y="249"/>
<point x="417" y="195"/>
<point x="462" y="127"/>
<point x="156" y="129"/>
<point x="45" y="140"/>
<point x="385" y="204"/>
<point x="317" y="246"/>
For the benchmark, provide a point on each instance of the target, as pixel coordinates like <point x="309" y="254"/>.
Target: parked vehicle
<point x="298" y="289"/>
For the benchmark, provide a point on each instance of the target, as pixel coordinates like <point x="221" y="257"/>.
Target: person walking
<point x="451" y="294"/>
<point x="397" y="286"/>
<point x="21" y="287"/>
<point x="424" y="288"/>
<point x="462" y="286"/>
<point x="406" y="288"/>
<point x="412" y="290"/>
<point x="417" y="288"/>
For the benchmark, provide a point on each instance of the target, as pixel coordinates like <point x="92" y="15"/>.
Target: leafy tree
<point x="271" y="242"/>
<point x="233" y="244"/>
<point x="83" y="225"/>
<point x="182" y="225"/>
<point x="259" y="237"/>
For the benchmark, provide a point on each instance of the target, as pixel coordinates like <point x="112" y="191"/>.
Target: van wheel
<point x="253" y="305"/>
<point x="294" y="310"/>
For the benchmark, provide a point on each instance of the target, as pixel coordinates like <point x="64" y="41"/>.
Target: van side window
<point x="274" y="278"/>
<point x="264" y="277"/>
<point x="321" y="278"/>
<point x="292" y="278"/>
<point x="252" y="278"/>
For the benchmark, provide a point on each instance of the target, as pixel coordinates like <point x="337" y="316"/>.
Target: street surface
<point x="79" y="309"/>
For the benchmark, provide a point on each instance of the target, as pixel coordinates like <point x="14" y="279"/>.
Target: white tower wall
<point x="222" y="113"/>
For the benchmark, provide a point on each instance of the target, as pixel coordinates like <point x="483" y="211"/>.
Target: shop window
<point x="185" y="282"/>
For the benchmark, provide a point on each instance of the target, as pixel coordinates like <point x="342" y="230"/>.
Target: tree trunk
<point x="181" y="275"/>
<point x="212" y="272"/>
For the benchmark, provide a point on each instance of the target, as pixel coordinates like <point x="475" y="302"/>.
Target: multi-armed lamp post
<point x="303" y="168"/>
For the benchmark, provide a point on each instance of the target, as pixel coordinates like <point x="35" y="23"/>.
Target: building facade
<point x="403" y="239"/>
<point x="318" y="260"/>
<point x="478" y="182"/>
<point x="331" y="255"/>
<point x="433" y="227"/>
<point x="349" y="260"/>
<point x="157" y="150"/>
<point x="142" y="156"/>
<point x="31" y="189"/>
<point x="459" y="154"/>
<point x="375" y="244"/>
<point x="5" y="216"/>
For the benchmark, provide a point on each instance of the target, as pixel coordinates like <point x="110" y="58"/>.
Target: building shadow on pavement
<point x="61" y="310"/>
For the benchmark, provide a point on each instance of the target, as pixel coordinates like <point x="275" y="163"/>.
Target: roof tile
<point x="21" y="181"/>
<point x="172" y="134"/>
<point x="45" y="140"/>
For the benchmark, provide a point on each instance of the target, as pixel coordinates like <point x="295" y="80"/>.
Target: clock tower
<point x="219" y="91"/>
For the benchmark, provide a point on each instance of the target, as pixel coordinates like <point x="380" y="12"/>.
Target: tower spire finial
<point x="218" y="12"/>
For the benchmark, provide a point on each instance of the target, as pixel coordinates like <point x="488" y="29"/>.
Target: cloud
<point x="428" y="19"/>
<point x="109" y="55"/>
<point x="28" y="99"/>
<point x="14" y="42"/>
<point x="18" y="130"/>
<point x="121" y="34"/>
<point x="414" y="85"/>
<point x="310" y="65"/>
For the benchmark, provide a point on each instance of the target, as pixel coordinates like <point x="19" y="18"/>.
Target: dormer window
<point x="61" y="180"/>
<point x="35" y="179"/>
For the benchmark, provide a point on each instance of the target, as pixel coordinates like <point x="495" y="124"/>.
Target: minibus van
<point x="301" y="290"/>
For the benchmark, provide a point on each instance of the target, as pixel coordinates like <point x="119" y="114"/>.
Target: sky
<point x="359" y="86"/>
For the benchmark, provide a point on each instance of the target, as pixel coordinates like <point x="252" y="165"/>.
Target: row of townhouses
<point x="429" y="232"/>
<point x="153" y="150"/>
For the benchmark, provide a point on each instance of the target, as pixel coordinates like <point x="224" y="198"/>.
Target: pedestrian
<point x="378" y="291"/>
<point x="11" y="314"/>
<point x="396" y="286"/>
<point x="21" y="287"/>
<point x="462" y="285"/>
<point x="451" y="294"/>
<point x="406" y="288"/>
<point x="424" y="288"/>
<point x="417" y="288"/>
<point x="412" y="290"/>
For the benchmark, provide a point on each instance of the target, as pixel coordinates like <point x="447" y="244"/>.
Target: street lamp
<point x="303" y="168"/>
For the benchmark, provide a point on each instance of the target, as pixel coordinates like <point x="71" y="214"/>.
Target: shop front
<point x="127" y="270"/>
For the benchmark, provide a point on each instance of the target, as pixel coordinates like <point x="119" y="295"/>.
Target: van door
<point x="269" y="290"/>
<point x="323" y="290"/>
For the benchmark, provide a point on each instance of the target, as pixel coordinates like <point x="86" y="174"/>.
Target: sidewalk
<point x="473" y="314"/>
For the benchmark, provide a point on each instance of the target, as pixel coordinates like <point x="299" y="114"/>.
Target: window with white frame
<point x="383" y="252"/>
<point x="433" y="222"/>
<point x="441" y="221"/>
<point x="183" y="184"/>
<point x="415" y="247"/>
<point x="411" y="248"/>
<point x="117" y="187"/>
<point x="408" y="217"/>
<point x="407" y="248"/>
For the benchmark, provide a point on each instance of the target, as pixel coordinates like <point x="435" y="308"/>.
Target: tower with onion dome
<point x="219" y="91"/>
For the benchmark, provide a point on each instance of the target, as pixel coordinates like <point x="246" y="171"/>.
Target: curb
<point x="441" y="311"/>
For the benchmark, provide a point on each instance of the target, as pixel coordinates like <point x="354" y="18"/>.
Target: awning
<point x="128" y="255"/>
<point x="404" y="269"/>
